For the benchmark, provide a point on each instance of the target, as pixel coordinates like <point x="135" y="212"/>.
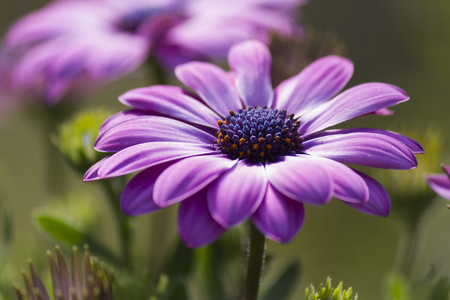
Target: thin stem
<point x="255" y="261"/>
<point x="113" y="187"/>
<point x="407" y="249"/>
<point x="157" y="72"/>
<point x="48" y="119"/>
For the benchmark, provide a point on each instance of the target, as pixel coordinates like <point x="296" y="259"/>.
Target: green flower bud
<point x="327" y="292"/>
<point x="75" y="138"/>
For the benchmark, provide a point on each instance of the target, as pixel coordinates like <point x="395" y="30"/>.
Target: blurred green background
<point x="405" y="43"/>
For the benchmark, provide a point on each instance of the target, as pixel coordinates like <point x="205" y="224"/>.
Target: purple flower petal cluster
<point x="440" y="183"/>
<point x="71" y="44"/>
<point x="240" y="149"/>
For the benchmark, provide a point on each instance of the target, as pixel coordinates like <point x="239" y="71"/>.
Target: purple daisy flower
<point x="71" y="44"/>
<point x="241" y="149"/>
<point x="440" y="183"/>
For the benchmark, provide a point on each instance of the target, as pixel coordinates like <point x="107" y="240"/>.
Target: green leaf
<point x="59" y="228"/>
<point x="282" y="287"/>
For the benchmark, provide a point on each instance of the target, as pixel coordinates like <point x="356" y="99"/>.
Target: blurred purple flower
<point x="73" y="44"/>
<point x="266" y="156"/>
<point x="440" y="183"/>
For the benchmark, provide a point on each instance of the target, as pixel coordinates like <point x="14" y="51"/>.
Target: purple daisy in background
<point x="72" y="44"/>
<point x="240" y="149"/>
<point x="440" y="183"/>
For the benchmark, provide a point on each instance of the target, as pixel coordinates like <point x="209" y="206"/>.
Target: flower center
<point x="260" y="134"/>
<point x="160" y="16"/>
<point x="134" y="19"/>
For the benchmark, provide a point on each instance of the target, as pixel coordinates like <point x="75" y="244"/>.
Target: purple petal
<point x="55" y="19"/>
<point x="141" y="156"/>
<point x="137" y="196"/>
<point x="92" y="173"/>
<point x="357" y="101"/>
<point x="195" y="225"/>
<point x="121" y="117"/>
<point x="149" y="129"/>
<point x="188" y="176"/>
<point x="212" y="85"/>
<point x="348" y="185"/>
<point x="446" y="169"/>
<point x="317" y="83"/>
<point x="383" y="112"/>
<point x="251" y="61"/>
<point x="440" y="183"/>
<point x="279" y="217"/>
<point x="414" y="146"/>
<point x="302" y="178"/>
<point x="379" y="202"/>
<point x="171" y="101"/>
<point x="362" y="148"/>
<point x="234" y="196"/>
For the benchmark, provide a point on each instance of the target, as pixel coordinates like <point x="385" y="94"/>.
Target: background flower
<point x="440" y="183"/>
<point x="266" y="156"/>
<point x="73" y="45"/>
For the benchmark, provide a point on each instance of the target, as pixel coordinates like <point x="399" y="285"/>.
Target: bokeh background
<point x="406" y="43"/>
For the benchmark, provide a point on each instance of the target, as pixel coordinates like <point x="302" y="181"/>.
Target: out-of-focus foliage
<point x="60" y="229"/>
<point x="6" y="237"/>
<point x="75" y="138"/>
<point x="290" y="56"/>
<point x="409" y="192"/>
<point x="398" y="288"/>
<point x="282" y="287"/>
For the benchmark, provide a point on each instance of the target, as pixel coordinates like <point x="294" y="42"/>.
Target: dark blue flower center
<point x="258" y="133"/>
<point x="133" y="20"/>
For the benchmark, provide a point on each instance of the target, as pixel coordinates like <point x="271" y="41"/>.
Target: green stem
<point x="407" y="249"/>
<point x="113" y="188"/>
<point x="157" y="72"/>
<point x="255" y="261"/>
<point x="48" y="118"/>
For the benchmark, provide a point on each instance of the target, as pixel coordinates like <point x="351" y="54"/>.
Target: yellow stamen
<point x="255" y="147"/>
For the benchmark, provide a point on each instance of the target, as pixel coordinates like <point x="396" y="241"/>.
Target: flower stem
<point x="113" y="186"/>
<point x="156" y="71"/>
<point x="255" y="261"/>
<point x="407" y="249"/>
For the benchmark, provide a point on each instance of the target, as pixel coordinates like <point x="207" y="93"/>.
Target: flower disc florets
<point x="260" y="134"/>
